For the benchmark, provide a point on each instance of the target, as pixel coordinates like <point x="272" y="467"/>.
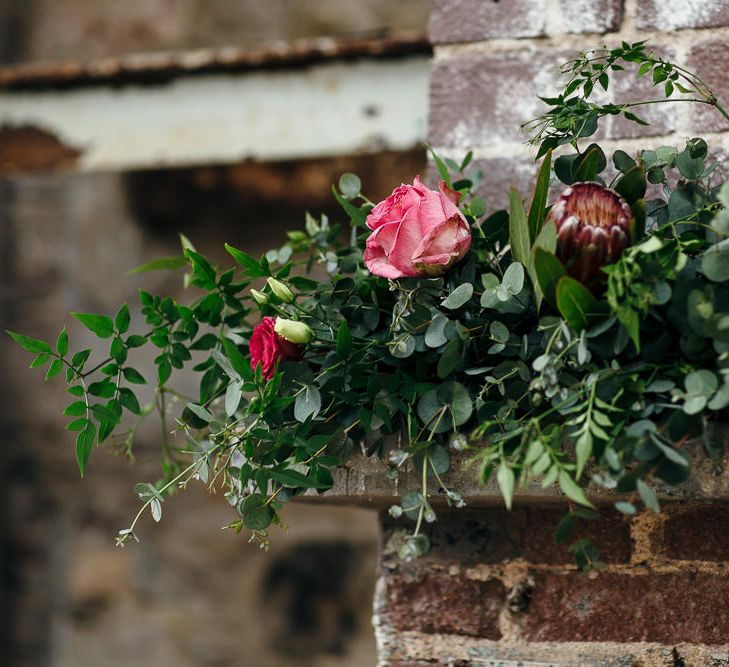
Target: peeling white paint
<point x="328" y="109"/>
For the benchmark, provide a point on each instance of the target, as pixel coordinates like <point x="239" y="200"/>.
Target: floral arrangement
<point x="579" y="342"/>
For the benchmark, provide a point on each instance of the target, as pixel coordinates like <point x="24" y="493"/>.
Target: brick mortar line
<point x="466" y="647"/>
<point x="684" y="38"/>
<point x="513" y="571"/>
<point x="502" y="149"/>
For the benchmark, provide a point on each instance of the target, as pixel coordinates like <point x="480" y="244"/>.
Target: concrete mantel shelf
<point x="368" y="481"/>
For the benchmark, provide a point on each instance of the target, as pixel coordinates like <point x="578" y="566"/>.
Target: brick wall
<point x="492" y="57"/>
<point x="495" y="589"/>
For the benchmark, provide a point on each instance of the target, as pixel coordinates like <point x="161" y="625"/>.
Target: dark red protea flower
<point x="594" y="226"/>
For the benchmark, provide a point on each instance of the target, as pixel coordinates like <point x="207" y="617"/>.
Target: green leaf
<point x="129" y="400"/>
<point x="62" y="342"/>
<point x="356" y="215"/>
<point x="201" y="412"/>
<point x="344" y="340"/>
<point x="307" y="404"/>
<point x="134" y="376"/>
<point x="75" y="409"/>
<point x="539" y="199"/>
<point x="84" y="446"/>
<point x="631" y="186"/>
<point x="518" y="228"/>
<point x="449" y="358"/>
<point x="589" y="164"/>
<point x="572" y="490"/>
<point x="350" y="185"/>
<point x="549" y="271"/>
<point x="622" y="161"/>
<point x="648" y="496"/>
<point x="256" y="512"/>
<point x="54" y="369"/>
<point x="435" y="333"/>
<point x="233" y="394"/>
<point x="122" y="319"/>
<point x="295" y="480"/>
<point x="715" y="262"/>
<point x="101" y="325"/>
<point x="625" y="507"/>
<point x="505" y="478"/>
<point x="458" y="297"/>
<point x="574" y="302"/>
<point x="441" y="167"/>
<point x="163" y="264"/>
<point x="583" y="449"/>
<point x="240" y="364"/>
<point x="251" y="267"/>
<point x="40" y="360"/>
<point x="29" y="344"/>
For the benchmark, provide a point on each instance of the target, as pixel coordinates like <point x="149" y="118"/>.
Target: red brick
<point x="610" y="534"/>
<point x="432" y="601"/>
<point x="708" y="59"/>
<point x="665" y="608"/>
<point x="677" y="14"/>
<point x="697" y="533"/>
<point x="473" y="20"/>
<point x="599" y="16"/>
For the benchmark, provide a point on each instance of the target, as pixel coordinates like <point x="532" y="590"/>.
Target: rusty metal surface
<point x="155" y="68"/>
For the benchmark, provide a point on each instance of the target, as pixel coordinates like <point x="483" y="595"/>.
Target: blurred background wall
<point x="189" y="594"/>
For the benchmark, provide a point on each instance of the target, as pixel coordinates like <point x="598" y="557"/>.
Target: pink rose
<point x="416" y="232"/>
<point x="267" y="347"/>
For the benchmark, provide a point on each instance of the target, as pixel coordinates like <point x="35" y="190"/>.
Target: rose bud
<point x="293" y="331"/>
<point x="416" y="232"/>
<point x="259" y="297"/>
<point x="594" y="226"/>
<point x="267" y="348"/>
<point x="280" y="290"/>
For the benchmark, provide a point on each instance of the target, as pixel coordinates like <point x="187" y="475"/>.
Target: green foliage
<point x="542" y="379"/>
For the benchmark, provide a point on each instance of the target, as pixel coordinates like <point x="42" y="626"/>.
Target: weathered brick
<point x="433" y="601"/>
<point x="610" y="534"/>
<point x="708" y="59"/>
<point x="468" y="536"/>
<point x="677" y="14"/>
<point x="697" y="533"/>
<point x="473" y="20"/>
<point x="665" y="608"/>
<point x="599" y="16"/>
<point x="483" y="99"/>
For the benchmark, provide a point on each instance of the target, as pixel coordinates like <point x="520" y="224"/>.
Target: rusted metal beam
<point x="155" y="68"/>
<point x="331" y="98"/>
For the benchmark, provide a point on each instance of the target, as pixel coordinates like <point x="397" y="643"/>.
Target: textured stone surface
<point x="677" y="14"/>
<point x="708" y="58"/>
<point x="473" y="20"/>
<point x="598" y="16"/>
<point x="482" y="99"/>
<point x="666" y="608"/>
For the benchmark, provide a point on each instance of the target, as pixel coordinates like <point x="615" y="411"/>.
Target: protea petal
<point x="593" y="228"/>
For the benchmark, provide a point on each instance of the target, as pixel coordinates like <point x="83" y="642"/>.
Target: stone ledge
<point x="413" y="647"/>
<point x="365" y="481"/>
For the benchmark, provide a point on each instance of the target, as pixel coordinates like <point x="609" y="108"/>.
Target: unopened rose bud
<point x="259" y="297"/>
<point x="293" y="331"/>
<point x="280" y="290"/>
<point x="594" y="226"/>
